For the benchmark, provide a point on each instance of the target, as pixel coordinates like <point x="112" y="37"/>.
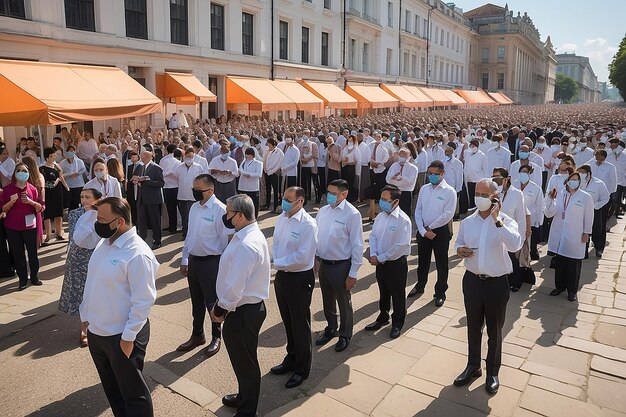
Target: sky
<point x="590" y="28"/>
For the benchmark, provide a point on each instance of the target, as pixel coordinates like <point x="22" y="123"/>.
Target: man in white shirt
<point x="73" y="172"/>
<point x="124" y="268"/>
<point x="600" y="194"/>
<point x="497" y="155"/>
<point x="7" y="166"/>
<point x="607" y="173"/>
<point x="224" y="169"/>
<point x="339" y="257"/>
<point x="308" y="162"/>
<point x="185" y="174"/>
<point x="272" y="161"/>
<point x="484" y="240"/>
<point x="87" y="150"/>
<point x="243" y="283"/>
<point x="293" y="250"/>
<point x="390" y="244"/>
<point x="173" y="122"/>
<point x="453" y="174"/>
<point x="289" y="165"/>
<point x="475" y="169"/>
<point x="170" y="190"/>
<point x="250" y="172"/>
<point x="403" y="175"/>
<point x="436" y="203"/>
<point x="617" y="157"/>
<point x="205" y="242"/>
<point x="524" y="159"/>
<point x="379" y="156"/>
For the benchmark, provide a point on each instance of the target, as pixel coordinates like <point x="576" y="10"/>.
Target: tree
<point x="566" y="89"/>
<point x="617" y="69"/>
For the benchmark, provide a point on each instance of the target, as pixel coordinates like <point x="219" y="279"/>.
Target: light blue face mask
<point x="331" y="199"/>
<point x="524" y="177"/>
<point x="70" y="154"/>
<point x="286" y="205"/>
<point x="385" y="206"/>
<point x="21" y="176"/>
<point x="573" y="184"/>
<point x="224" y="156"/>
<point x="524" y="155"/>
<point x="99" y="174"/>
<point x="433" y="179"/>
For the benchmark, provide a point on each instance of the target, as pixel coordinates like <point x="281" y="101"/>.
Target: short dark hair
<point x="586" y="168"/>
<point x="298" y="191"/>
<point x="342" y="185"/>
<point x="48" y="151"/>
<point x="95" y="193"/>
<point x="249" y="151"/>
<point x="475" y="142"/>
<point x="207" y="179"/>
<point x="394" y="191"/>
<point x="170" y="148"/>
<point x="437" y="164"/>
<point x="602" y="153"/>
<point x="119" y="207"/>
<point x="189" y="150"/>
<point x="70" y="148"/>
<point x="272" y="141"/>
<point x="528" y="167"/>
<point x="504" y="173"/>
<point x="178" y="153"/>
<point x="197" y="144"/>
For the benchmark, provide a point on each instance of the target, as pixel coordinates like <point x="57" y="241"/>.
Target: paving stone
<point x="513" y="378"/>
<point x="411" y="347"/>
<point x="554" y="405"/>
<point x="577" y="316"/>
<point x="515" y="350"/>
<point x="447" y="312"/>
<point x="318" y="405"/>
<point x="612" y="320"/>
<point x="181" y="385"/>
<point x="561" y="357"/>
<point x="530" y="333"/>
<point x="383" y="363"/>
<point x="428" y="327"/>
<point x="554" y="373"/>
<point x="510" y="360"/>
<point x="593" y="347"/>
<point x="611" y="334"/>
<point x="450" y="344"/>
<point x="608" y="366"/>
<point x="439" y="365"/>
<point x="436" y="320"/>
<point x="520" y="412"/>
<point x="607" y="393"/>
<point x="456" y="332"/>
<point x="518" y="341"/>
<point x="557" y="387"/>
<point x="581" y="330"/>
<point x="420" y="335"/>
<point x="421" y="385"/>
<point x="614" y="312"/>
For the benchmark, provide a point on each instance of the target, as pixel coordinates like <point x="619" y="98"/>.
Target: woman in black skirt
<point x="54" y="183"/>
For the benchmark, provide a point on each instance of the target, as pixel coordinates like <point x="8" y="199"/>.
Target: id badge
<point x="562" y="215"/>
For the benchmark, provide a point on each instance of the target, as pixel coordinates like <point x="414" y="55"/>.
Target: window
<point x="79" y="14"/>
<point x="390" y="14"/>
<point x="416" y="27"/>
<point x="447" y="79"/>
<point x="325" y="48"/>
<point x="501" y="53"/>
<point x="413" y="66"/>
<point x="327" y="4"/>
<point x="352" y="53"/>
<point x="366" y="57"/>
<point x="283" y="40"/>
<point x="436" y="35"/>
<point x="485" y="56"/>
<point x="441" y="37"/>
<point x="217" y="26"/>
<point x="407" y="21"/>
<point x="425" y="29"/>
<point x="447" y="39"/>
<point x="178" y="22"/>
<point x="247" y="34"/>
<point x="423" y="67"/>
<point x="405" y="66"/>
<point x="12" y="8"/>
<point x="388" y="62"/>
<point x="485" y="81"/>
<point x="136" y="19"/>
<point x="305" y="44"/>
<point x="500" y="81"/>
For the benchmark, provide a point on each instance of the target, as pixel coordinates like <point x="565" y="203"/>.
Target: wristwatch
<point x="499" y="223"/>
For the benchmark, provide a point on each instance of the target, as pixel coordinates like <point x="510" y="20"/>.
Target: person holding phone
<point x="484" y="241"/>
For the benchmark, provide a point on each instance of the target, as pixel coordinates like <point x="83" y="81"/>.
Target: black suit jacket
<point x="150" y="192"/>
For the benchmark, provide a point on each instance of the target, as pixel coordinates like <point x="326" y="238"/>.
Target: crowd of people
<point x="516" y="177"/>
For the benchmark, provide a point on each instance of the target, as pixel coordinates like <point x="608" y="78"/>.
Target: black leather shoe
<point x="439" y="301"/>
<point x="553" y="263"/>
<point x="467" y="375"/>
<point x="213" y="347"/>
<point x="342" y="344"/>
<point x="377" y="325"/>
<point x="418" y="289"/>
<point x="492" y="384"/>
<point x="599" y="253"/>
<point x="36" y="282"/>
<point x="294" y="381"/>
<point x="193" y="342"/>
<point x="230" y="400"/>
<point x="156" y="245"/>
<point x="514" y="289"/>
<point x="395" y="332"/>
<point x="22" y="287"/>
<point x="281" y="369"/>
<point x="572" y="296"/>
<point x="555" y="292"/>
<point x="325" y="338"/>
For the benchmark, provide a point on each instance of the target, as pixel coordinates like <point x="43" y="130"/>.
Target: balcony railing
<point x="354" y="12"/>
<point x="371" y="19"/>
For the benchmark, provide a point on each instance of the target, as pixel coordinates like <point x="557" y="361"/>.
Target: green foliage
<point x="566" y="89"/>
<point x="617" y="69"/>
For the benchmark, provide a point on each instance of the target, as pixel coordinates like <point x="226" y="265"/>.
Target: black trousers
<point x="333" y="285"/>
<point x="149" y="213"/>
<point x="290" y="181"/>
<point x="406" y="201"/>
<point x="535" y="238"/>
<point x="293" y="294"/>
<point x="122" y="378"/>
<point x="544" y="180"/>
<point x="185" y="206"/>
<point x="202" y="278"/>
<point x="425" y="248"/>
<point x="73" y="196"/>
<point x="7" y="264"/>
<point x="241" y="337"/>
<point x="516" y="277"/>
<point x="485" y="303"/>
<point x="332" y="176"/>
<point x="133" y="209"/>
<point x="567" y="273"/>
<point x="271" y="183"/>
<point x="598" y="232"/>
<point x="321" y="174"/>
<point x="378" y="182"/>
<point x="391" y="278"/>
<point x="616" y="201"/>
<point x="545" y="228"/>
<point x="348" y="173"/>
<point x="471" y="191"/>
<point x="18" y="240"/>
<point x="306" y="176"/>
<point x="463" y="201"/>
<point x="254" y="195"/>
<point x="171" y="204"/>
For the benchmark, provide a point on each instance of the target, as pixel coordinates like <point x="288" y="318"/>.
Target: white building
<point x="579" y="68"/>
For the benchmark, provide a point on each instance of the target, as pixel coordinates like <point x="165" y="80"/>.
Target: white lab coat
<point x="533" y="198"/>
<point x="567" y="229"/>
<point x="514" y="207"/>
<point x="597" y="190"/>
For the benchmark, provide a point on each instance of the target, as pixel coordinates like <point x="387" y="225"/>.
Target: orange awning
<point x="332" y="96"/>
<point x="456" y="99"/>
<point x="184" y="88"/>
<point x="406" y="96"/>
<point x="43" y="93"/>
<point x="371" y="96"/>
<point x="304" y="99"/>
<point x="417" y="92"/>
<point x="501" y="98"/>
<point x="478" y="97"/>
<point x="257" y="94"/>
<point x="439" y="98"/>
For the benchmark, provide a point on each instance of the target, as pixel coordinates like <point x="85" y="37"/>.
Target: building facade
<point x="511" y="57"/>
<point x="579" y="68"/>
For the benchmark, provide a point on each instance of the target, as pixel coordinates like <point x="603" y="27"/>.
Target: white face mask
<point x="473" y="149"/>
<point x="482" y="203"/>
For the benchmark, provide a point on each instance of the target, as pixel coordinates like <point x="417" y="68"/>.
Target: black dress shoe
<point x="281" y="369"/>
<point x="555" y="292"/>
<point x="265" y="208"/>
<point x="418" y="289"/>
<point x="325" y="338"/>
<point x="395" y="332"/>
<point x="572" y="296"/>
<point x="599" y="253"/>
<point x="230" y="400"/>
<point x="156" y="245"/>
<point x="377" y="325"/>
<point x="22" y="287"/>
<point x="492" y="384"/>
<point x="467" y="375"/>
<point x="213" y="347"/>
<point x="193" y="342"/>
<point x="553" y="263"/>
<point x="439" y="301"/>
<point x="514" y="289"/>
<point x="294" y="381"/>
<point x="342" y="344"/>
<point x="37" y="282"/>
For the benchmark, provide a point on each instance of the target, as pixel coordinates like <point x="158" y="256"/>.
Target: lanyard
<point x="566" y="201"/>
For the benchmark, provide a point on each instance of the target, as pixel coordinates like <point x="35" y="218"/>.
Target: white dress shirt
<point x="295" y="242"/>
<point x="6" y="169"/>
<point x="108" y="188"/>
<point x="85" y="235"/>
<point x="533" y="198"/>
<point x="273" y="161"/>
<point x="556" y="181"/>
<point x="185" y="176"/>
<point x="583" y="156"/>
<point x="453" y="173"/>
<point x="484" y="144"/>
<point x="366" y="153"/>
<point x="250" y="173"/>
<point x="435" y="153"/>
<point x="535" y="177"/>
<point x="475" y="168"/>
<point x="206" y="234"/>
<point x="422" y="161"/>
<point x="619" y="160"/>
<point x="597" y="190"/>
<point x="435" y="206"/>
<point x="340" y="235"/>
<point x="289" y="165"/>
<point x="379" y="154"/>
<point x="168" y="164"/>
<point x="86" y="149"/>
<point x="201" y="160"/>
<point x="572" y="215"/>
<point x="76" y="165"/>
<point x="244" y="271"/>
<point x="228" y="165"/>
<point x="308" y="149"/>
<point x="513" y="205"/>
<point x="120" y="288"/>
<point x="538" y="160"/>
<point x="498" y="157"/>
<point x="321" y="156"/>
<point x="391" y="236"/>
<point x="606" y="172"/>
<point x="491" y="244"/>
<point x="407" y="176"/>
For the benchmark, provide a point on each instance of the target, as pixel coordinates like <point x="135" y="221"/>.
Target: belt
<point x="201" y="258"/>
<point x="485" y="277"/>
<point x="329" y="262"/>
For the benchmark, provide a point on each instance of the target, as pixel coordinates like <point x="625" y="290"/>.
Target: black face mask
<point x="198" y="195"/>
<point x="103" y="230"/>
<point x="228" y="223"/>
